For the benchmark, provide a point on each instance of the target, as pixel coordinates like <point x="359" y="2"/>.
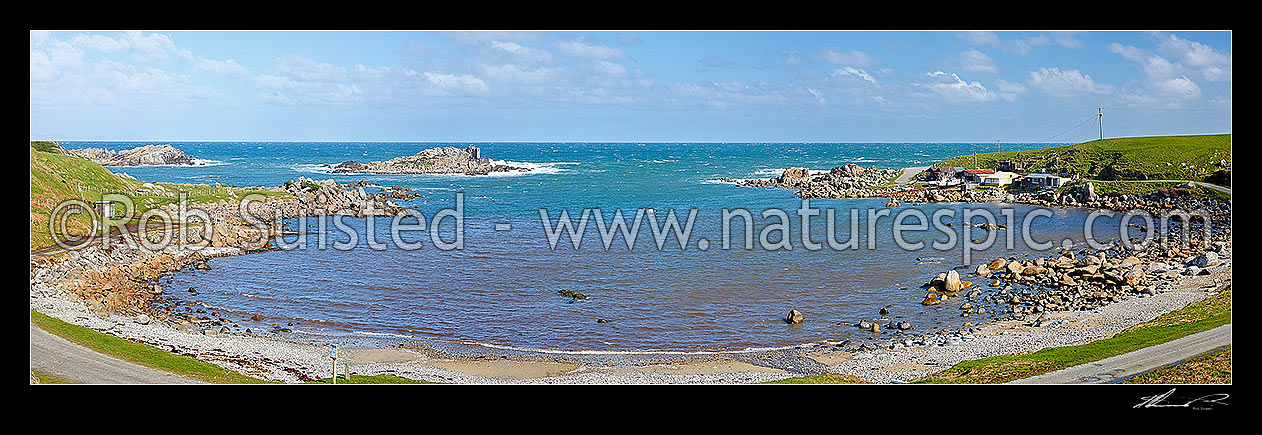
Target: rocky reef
<point x="146" y="155"/>
<point x="440" y="160"/>
<point x="849" y="181"/>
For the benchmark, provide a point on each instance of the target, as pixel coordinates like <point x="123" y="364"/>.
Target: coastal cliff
<point x="440" y="160"/>
<point x="146" y="155"/>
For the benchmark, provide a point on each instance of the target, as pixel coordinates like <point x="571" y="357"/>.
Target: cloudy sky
<point x="627" y="86"/>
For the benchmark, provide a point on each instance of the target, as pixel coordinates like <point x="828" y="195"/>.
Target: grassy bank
<point x="1135" y="158"/>
<point x="56" y="177"/>
<point x="1144" y="188"/>
<point x="1214" y="368"/>
<point x="40" y="378"/>
<point x="1201" y="316"/>
<point x="138" y="353"/>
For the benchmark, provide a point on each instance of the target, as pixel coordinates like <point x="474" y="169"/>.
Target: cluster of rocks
<point x="1081" y="195"/>
<point x="573" y="295"/>
<point x="387" y="192"/>
<point x="327" y="197"/>
<point x="846" y="181"/>
<point x="119" y="277"/>
<point x="1084" y="281"/>
<point x="440" y="160"/>
<point x="145" y="155"/>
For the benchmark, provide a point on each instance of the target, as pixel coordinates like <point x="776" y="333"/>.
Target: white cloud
<point x="976" y="61"/>
<point x="819" y="96"/>
<point x="523" y="54"/>
<point x="514" y="74"/>
<point x="1022" y="46"/>
<point x="1177" y="88"/>
<point x="1009" y="87"/>
<point x="848" y="71"/>
<point x="86" y="69"/>
<point x="980" y="38"/>
<point x="1009" y="91"/>
<point x="304" y="69"/>
<point x="1214" y="65"/>
<point x="587" y="50"/>
<point x="628" y="38"/>
<point x="952" y="88"/>
<point x="852" y="58"/>
<point x="1066" y="83"/>
<point x="481" y="37"/>
<point x="152" y="47"/>
<point x="793" y="58"/>
<point x="229" y="68"/>
<point x="1165" y="82"/>
<point x="610" y="69"/>
<point x="42" y="69"/>
<point x="457" y="84"/>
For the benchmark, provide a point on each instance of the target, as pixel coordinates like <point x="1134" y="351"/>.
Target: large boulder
<point x="998" y="264"/>
<point x="795" y="317"/>
<point x="1015" y="268"/>
<point x="850" y="170"/>
<point x="794" y="176"/>
<point x="1209" y="258"/>
<point x="931" y="299"/>
<point x="952" y="281"/>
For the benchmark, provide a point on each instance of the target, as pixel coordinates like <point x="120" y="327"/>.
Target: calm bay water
<point x="501" y="289"/>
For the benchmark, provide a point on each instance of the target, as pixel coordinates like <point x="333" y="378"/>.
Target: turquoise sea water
<point x="501" y="289"/>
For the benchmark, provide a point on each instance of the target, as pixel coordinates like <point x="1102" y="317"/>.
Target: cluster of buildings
<point x="1009" y="173"/>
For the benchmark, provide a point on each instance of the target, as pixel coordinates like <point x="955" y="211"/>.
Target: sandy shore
<point x="298" y="358"/>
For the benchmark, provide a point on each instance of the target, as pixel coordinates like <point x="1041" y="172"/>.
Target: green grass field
<point x="1144" y="188"/>
<point x="56" y="177"/>
<point x="1134" y="158"/>
<point x="1214" y="368"/>
<point x="40" y="378"/>
<point x="1201" y="316"/>
<point x="139" y="353"/>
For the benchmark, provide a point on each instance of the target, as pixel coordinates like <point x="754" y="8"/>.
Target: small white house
<point x="1043" y="180"/>
<point x="1002" y="178"/>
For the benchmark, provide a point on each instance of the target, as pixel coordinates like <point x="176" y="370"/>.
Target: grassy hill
<point x="56" y="177"/>
<point x="1195" y="158"/>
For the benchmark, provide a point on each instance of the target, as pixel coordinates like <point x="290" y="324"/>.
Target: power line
<point x="1084" y="122"/>
<point x="1141" y="109"/>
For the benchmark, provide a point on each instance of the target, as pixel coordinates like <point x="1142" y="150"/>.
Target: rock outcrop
<point x="849" y="181"/>
<point x="441" y="160"/>
<point x="140" y="156"/>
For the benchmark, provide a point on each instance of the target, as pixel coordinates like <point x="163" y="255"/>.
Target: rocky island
<point x="439" y="160"/>
<point x="140" y="156"/>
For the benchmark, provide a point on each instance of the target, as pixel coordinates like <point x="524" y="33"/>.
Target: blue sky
<point x="822" y="86"/>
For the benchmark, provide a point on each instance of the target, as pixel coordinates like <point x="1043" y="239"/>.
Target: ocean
<point x="501" y="289"/>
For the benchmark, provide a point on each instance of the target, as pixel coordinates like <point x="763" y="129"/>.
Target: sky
<point x="623" y="86"/>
